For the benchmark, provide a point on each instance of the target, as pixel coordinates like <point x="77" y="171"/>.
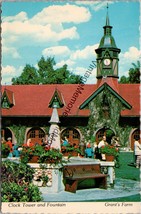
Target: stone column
<point x="56" y="184"/>
<point x="110" y="171"/>
<point x="54" y="131"/>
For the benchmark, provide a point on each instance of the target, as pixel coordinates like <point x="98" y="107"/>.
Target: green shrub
<point x="5" y="149"/>
<point x="13" y="192"/>
<point x="14" y="172"/>
<point x="16" y="183"/>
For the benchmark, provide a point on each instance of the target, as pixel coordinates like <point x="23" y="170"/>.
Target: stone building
<point x="86" y="111"/>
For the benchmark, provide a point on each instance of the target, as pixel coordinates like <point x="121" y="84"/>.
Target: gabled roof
<point x="99" y="90"/>
<point x="33" y="100"/>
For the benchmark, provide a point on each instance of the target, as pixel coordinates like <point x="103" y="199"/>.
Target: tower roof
<point x="107" y="40"/>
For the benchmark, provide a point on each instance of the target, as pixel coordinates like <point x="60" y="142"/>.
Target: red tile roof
<point x="33" y="100"/>
<point x="131" y="93"/>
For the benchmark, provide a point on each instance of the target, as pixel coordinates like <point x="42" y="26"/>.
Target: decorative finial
<point x="107" y="7"/>
<point x="107" y="18"/>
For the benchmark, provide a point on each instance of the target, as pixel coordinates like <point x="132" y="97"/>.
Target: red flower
<point x="47" y="148"/>
<point x="26" y="189"/>
<point x="76" y="147"/>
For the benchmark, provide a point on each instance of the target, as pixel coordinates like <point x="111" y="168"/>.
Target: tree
<point x="124" y="79"/>
<point x="46" y="71"/>
<point x="46" y="74"/>
<point x="134" y="74"/>
<point x="28" y="76"/>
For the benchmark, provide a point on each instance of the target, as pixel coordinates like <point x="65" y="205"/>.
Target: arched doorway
<point x="136" y="133"/>
<point x="72" y="135"/>
<point x="5" y="133"/>
<point x="105" y="132"/>
<point x="36" y="135"/>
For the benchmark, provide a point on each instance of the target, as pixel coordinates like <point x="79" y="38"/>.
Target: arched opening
<point x="36" y="135"/>
<point x="136" y="133"/>
<point x="72" y="135"/>
<point x="109" y="133"/>
<point x="6" y="133"/>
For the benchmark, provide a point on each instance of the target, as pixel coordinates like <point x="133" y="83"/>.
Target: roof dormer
<point x="7" y="100"/>
<point x="56" y="100"/>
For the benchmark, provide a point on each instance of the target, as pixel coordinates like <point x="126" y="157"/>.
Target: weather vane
<point x="107" y="6"/>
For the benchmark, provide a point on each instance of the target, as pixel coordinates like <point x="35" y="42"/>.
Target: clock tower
<point x="107" y="54"/>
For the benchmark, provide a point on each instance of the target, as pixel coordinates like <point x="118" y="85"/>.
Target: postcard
<point x="70" y="100"/>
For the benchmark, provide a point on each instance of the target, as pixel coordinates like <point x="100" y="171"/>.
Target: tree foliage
<point x="134" y="74"/>
<point x="46" y="74"/>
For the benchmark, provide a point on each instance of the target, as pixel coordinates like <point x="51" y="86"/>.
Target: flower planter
<point x="73" y="153"/>
<point x="49" y="161"/>
<point x="34" y="159"/>
<point x="110" y="157"/>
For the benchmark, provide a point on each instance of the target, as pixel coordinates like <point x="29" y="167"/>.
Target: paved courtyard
<point x="122" y="188"/>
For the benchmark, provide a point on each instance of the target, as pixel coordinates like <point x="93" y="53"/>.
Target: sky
<point x="69" y="31"/>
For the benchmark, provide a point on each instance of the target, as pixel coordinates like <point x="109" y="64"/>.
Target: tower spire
<point x="107" y="17"/>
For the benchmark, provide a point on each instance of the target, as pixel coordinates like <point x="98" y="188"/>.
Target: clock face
<point x="107" y="61"/>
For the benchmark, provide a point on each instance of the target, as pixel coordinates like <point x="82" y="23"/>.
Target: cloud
<point x="10" y="51"/>
<point x="22" y="16"/>
<point x="87" y="53"/>
<point x="82" y="70"/>
<point x="35" y="33"/>
<point x="72" y="57"/>
<point x="133" y="54"/>
<point x="8" y="72"/>
<point x="130" y="56"/>
<point x="62" y="14"/>
<point x="68" y="62"/>
<point x="127" y="58"/>
<point x="79" y="61"/>
<point x="95" y="5"/>
<point x="45" y="26"/>
<point x="48" y="27"/>
<point x="56" y="51"/>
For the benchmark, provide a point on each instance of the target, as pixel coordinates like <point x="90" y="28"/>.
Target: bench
<point x="74" y="173"/>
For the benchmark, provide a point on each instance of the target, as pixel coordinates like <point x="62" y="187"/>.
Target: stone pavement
<point x="122" y="188"/>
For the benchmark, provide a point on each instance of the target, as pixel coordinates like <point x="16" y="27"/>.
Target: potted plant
<point x="41" y="154"/>
<point x="70" y="150"/>
<point x="31" y="154"/>
<point x="5" y="149"/>
<point x="109" y="150"/>
<point x="52" y="156"/>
